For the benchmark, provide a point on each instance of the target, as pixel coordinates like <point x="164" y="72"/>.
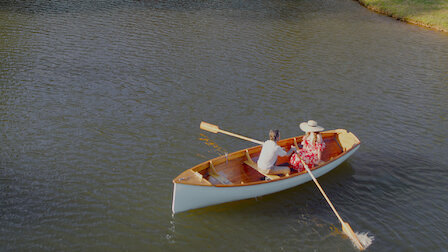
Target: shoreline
<point x="401" y="17"/>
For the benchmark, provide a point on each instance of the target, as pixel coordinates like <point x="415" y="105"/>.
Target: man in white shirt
<point x="269" y="153"/>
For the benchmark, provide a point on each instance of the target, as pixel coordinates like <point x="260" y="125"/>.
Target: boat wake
<point x="170" y="236"/>
<point x="365" y="239"/>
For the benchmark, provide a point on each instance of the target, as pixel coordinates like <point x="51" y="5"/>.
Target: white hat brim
<point x="306" y="128"/>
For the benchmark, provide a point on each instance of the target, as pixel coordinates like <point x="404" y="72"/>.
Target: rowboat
<point x="235" y="176"/>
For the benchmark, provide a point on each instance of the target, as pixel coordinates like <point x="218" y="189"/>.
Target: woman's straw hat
<point x="311" y="126"/>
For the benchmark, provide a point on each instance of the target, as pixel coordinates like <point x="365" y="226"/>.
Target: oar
<point x="345" y="226"/>
<point x="215" y="129"/>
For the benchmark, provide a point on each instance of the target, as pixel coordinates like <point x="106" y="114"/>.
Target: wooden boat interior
<point x="235" y="169"/>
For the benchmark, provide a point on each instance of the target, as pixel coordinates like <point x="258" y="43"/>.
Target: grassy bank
<point x="428" y="13"/>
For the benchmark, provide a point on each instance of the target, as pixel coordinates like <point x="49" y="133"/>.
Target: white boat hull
<point x="187" y="197"/>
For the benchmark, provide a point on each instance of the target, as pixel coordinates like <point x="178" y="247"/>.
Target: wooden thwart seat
<point x="254" y="165"/>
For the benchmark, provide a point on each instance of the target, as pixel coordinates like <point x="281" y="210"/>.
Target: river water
<point x="100" y="105"/>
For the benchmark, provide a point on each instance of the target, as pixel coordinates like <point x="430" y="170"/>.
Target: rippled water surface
<point x="100" y="105"/>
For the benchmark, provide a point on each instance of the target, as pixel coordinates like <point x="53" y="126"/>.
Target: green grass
<point x="429" y="13"/>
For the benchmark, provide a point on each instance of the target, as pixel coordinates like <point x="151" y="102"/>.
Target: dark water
<point x="100" y="105"/>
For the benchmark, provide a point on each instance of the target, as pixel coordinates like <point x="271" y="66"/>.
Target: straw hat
<point x="311" y="126"/>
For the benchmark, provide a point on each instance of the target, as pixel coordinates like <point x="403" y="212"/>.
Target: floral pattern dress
<point x="309" y="154"/>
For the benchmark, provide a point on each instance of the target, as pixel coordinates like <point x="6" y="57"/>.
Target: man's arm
<point x="283" y="153"/>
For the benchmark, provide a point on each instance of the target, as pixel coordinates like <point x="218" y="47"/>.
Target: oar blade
<point x="349" y="232"/>
<point x="209" y="127"/>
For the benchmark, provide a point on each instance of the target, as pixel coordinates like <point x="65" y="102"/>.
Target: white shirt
<point x="269" y="153"/>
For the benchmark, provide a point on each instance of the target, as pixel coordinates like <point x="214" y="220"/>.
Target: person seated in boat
<point x="313" y="146"/>
<point x="269" y="153"/>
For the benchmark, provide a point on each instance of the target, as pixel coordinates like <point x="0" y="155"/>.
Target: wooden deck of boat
<point x="231" y="170"/>
<point x="239" y="173"/>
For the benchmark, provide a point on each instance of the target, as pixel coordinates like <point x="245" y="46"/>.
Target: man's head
<point x="274" y="135"/>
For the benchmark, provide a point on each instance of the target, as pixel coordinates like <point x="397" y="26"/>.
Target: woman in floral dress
<point x="313" y="146"/>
